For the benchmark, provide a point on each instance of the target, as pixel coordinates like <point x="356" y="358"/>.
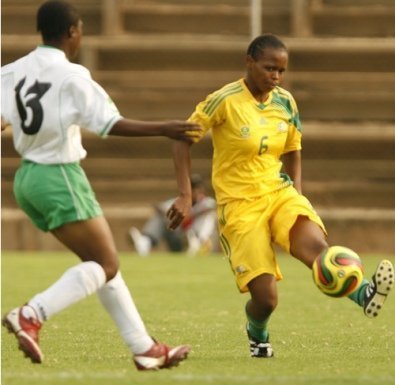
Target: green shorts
<point x="54" y="194"/>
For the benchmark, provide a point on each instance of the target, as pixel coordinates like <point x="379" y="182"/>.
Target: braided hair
<point x="261" y="42"/>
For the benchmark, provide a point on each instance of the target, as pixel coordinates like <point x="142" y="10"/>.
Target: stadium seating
<point x="157" y="59"/>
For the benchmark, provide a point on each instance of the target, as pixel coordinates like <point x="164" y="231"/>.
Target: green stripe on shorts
<point x="55" y="194"/>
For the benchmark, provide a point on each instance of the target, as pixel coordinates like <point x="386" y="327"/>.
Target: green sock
<point x="359" y="294"/>
<point x="258" y="329"/>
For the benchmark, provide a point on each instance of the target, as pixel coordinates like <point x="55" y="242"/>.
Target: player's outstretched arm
<point x="174" y="129"/>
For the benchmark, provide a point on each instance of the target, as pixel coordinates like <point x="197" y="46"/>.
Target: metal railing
<point x="300" y="17"/>
<point x="255" y="18"/>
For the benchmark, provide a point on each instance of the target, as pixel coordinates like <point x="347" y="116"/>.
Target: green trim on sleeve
<point x="108" y="126"/>
<point x="212" y="104"/>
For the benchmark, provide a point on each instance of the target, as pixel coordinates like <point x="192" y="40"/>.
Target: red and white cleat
<point x="161" y="356"/>
<point x="23" y="322"/>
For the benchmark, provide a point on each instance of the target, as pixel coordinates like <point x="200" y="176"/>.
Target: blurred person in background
<point x="197" y="233"/>
<point x="46" y="99"/>
<point x="256" y="134"/>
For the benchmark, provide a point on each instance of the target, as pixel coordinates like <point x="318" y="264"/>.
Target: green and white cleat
<point x="259" y="349"/>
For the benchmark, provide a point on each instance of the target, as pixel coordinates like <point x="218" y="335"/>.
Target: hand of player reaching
<point x="180" y="130"/>
<point x="178" y="211"/>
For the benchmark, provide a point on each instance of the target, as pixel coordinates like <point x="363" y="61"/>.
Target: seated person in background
<point x="197" y="232"/>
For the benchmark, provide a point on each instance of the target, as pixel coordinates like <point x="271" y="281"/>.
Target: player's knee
<point x="265" y="305"/>
<point x="269" y="306"/>
<point x="324" y="245"/>
<point x="309" y="249"/>
<point x="111" y="272"/>
<point x="110" y="267"/>
<point x="319" y="245"/>
<point x="264" y="297"/>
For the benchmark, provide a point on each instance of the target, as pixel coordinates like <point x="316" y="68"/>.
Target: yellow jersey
<point x="248" y="139"/>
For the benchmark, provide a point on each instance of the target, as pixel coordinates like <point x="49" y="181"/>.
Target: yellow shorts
<point x="248" y="230"/>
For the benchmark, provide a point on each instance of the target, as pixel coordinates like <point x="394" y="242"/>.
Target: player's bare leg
<point x="307" y="241"/>
<point x="264" y="299"/>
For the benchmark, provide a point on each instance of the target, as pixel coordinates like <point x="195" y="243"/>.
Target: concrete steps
<point x="142" y="191"/>
<point x="362" y="230"/>
<point x="366" y="231"/>
<point x="19" y="16"/>
<point x="169" y="94"/>
<point x="353" y="18"/>
<point x="161" y="59"/>
<point x="324" y="75"/>
<point x="348" y="171"/>
<point x="367" y="18"/>
<point x="354" y="21"/>
<point x="334" y="141"/>
<point x="148" y="16"/>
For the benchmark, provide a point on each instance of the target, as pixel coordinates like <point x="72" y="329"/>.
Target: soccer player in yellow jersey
<point x="256" y="134"/>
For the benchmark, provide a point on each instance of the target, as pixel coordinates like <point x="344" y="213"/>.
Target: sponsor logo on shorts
<point x="241" y="269"/>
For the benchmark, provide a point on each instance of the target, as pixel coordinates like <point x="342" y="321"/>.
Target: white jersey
<point x="47" y="99"/>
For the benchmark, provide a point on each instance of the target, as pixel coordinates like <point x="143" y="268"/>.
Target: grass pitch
<point x="316" y="339"/>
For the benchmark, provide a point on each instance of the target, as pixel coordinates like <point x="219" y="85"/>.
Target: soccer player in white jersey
<point x="46" y="99"/>
<point x="256" y="134"/>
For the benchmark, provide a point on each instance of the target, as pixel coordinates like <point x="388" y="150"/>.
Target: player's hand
<point x="180" y="130"/>
<point x="178" y="211"/>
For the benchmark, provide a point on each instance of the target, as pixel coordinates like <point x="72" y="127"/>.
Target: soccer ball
<point x="338" y="272"/>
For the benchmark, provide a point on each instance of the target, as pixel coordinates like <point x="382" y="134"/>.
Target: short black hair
<point x="261" y="42"/>
<point x="54" y="19"/>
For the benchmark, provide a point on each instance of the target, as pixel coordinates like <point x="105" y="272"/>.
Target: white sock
<point x="118" y="302"/>
<point x="75" y="284"/>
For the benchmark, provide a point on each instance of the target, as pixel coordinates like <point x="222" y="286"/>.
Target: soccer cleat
<point x="378" y="288"/>
<point x="161" y="356"/>
<point x="259" y="349"/>
<point x="141" y="242"/>
<point x="23" y="322"/>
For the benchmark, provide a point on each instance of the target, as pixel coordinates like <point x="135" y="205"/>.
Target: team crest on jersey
<point x="282" y="127"/>
<point x="245" y="132"/>
<point x="241" y="269"/>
